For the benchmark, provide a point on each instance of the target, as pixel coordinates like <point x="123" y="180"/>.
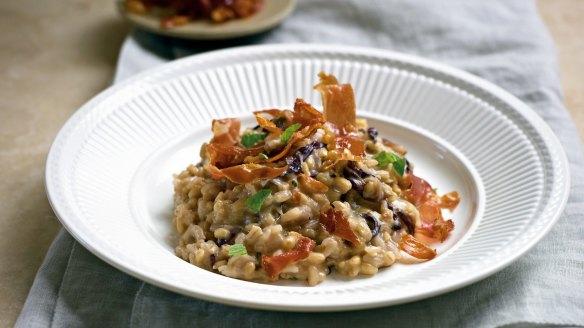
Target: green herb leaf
<point x="398" y="164"/>
<point x="251" y="139"/>
<point x="255" y="202"/>
<point x="382" y="158"/>
<point x="287" y="134"/>
<point x="264" y="156"/>
<point x="237" y="250"/>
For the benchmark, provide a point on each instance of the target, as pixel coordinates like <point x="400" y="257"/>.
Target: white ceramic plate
<point x="272" y="13"/>
<point x="109" y="171"/>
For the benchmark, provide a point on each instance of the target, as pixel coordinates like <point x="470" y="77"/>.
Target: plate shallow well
<point x="109" y="171"/>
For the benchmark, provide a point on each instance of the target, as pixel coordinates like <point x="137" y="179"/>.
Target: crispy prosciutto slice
<point x="296" y="137"/>
<point x="430" y="207"/>
<point x="345" y="138"/>
<point x="438" y="229"/>
<point x="305" y="114"/>
<point x="419" y="192"/>
<point x="274" y="112"/>
<point x="274" y="265"/>
<point x="397" y="147"/>
<point x="225" y="131"/>
<point x="309" y="118"/>
<point x="335" y="222"/>
<point x="225" y="155"/>
<point x="312" y="185"/>
<point x="226" y="161"/>
<point x="353" y="143"/>
<point x="415" y="248"/>
<point x="450" y="200"/>
<point x="338" y="100"/>
<point x="267" y="124"/>
<point x="247" y="173"/>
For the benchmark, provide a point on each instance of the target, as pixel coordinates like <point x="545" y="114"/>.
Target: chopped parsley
<point x="287" y="134"/>
<point x="237" y="250"/>
<point x="255" y="202"/>
<point x="251" y="139"/>
<point x="382" y="158"/>
<point x="398" y="164"/>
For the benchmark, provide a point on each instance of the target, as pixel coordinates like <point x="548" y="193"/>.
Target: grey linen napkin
<point x="502" y="41"/>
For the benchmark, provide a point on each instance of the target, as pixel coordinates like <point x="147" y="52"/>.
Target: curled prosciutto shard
<point x="430" y="207"/>
<point x="274" y="265"/>
<point x="416" y="248"/>
<point x="335" y="222"/>
<point x="338" y="100"/>
<point x="225" y="131"/>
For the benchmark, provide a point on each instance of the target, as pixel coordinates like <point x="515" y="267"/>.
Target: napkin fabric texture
<point x="502" y="41"/>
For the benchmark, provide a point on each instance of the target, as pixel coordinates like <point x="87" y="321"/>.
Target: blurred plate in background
<point x="272" y="13"/>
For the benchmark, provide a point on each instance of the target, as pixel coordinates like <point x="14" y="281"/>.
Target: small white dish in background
<point x="272" y="13"/>
<point x="109" y="171"/>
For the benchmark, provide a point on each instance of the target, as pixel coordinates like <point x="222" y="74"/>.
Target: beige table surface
<point x="56" y="55"/>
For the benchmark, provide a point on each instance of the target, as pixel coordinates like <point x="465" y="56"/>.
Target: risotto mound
<point x="304" y="193"/>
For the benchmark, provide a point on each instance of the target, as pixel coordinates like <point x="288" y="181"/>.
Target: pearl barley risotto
<point x="304" y="193"/>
